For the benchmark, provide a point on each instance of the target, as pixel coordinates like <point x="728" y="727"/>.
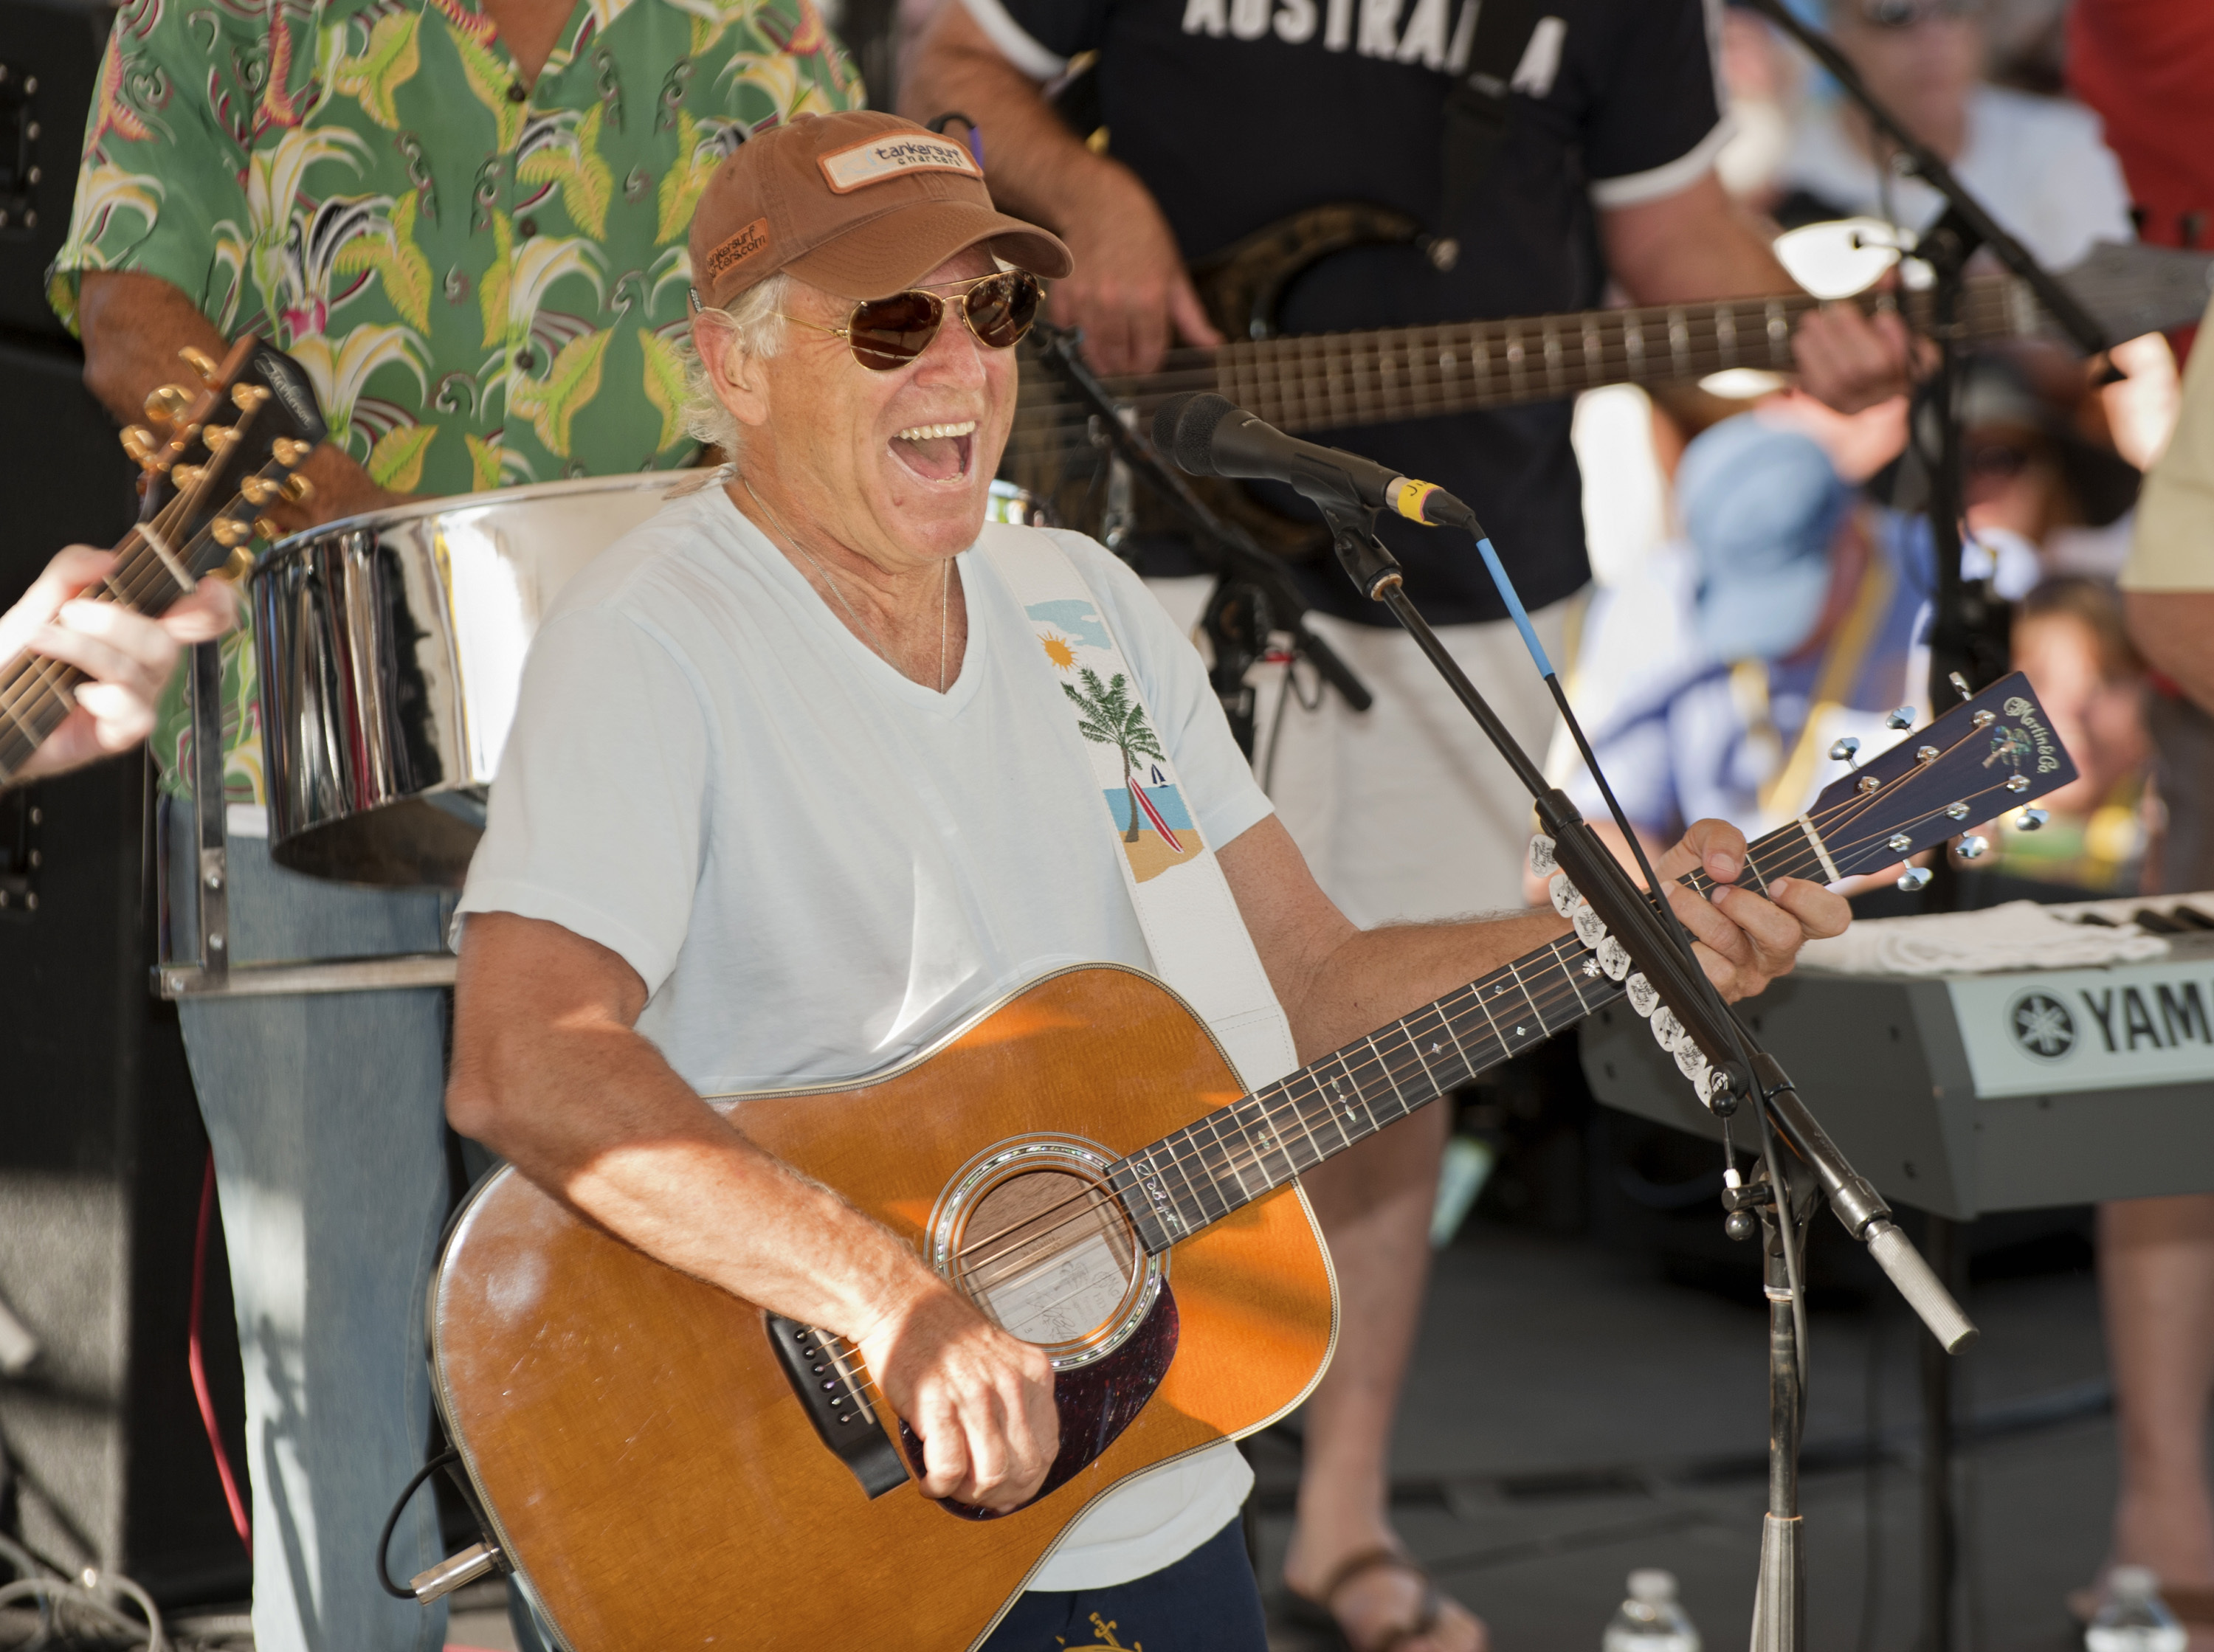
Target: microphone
<point x="1207" y="435"/>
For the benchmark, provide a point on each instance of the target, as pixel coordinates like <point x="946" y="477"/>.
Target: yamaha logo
<point x="2041" y="1026"/>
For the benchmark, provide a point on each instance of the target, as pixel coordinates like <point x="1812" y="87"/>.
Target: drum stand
<point x="212" y="974"/>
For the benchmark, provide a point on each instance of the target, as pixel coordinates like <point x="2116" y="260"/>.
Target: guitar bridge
<point x="833" y="1393"/>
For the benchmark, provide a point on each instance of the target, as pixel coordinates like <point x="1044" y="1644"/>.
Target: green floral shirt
<point x="488" y="284"/>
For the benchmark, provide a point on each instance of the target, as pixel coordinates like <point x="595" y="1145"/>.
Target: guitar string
<point x="1400" y="365"/>
<point x="1554" y="998"/>
<point x="37" y="684"/>
<point x="37" y="675"/>
<point x="1366" y="1068"/>
<point x="1993" y="309"/>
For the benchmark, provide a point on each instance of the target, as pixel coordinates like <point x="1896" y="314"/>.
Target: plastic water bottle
<point x="2134" y="1619"/>
<point x="1650" y="1620"/>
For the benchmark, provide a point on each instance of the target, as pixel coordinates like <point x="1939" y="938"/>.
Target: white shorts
<point x="1404" y="811"/>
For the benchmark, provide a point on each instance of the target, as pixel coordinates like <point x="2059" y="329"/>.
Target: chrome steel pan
<point x="390" y="647"/>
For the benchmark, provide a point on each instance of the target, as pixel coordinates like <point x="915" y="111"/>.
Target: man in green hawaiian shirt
<point x="466" y="219"/>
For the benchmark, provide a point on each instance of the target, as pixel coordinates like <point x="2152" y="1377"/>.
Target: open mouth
<point x="937" y="453"/>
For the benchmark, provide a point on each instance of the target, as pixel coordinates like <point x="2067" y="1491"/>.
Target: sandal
<point x="1317" y="1610"/>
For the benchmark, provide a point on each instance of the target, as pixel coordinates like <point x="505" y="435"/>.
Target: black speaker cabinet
<point x="103" y="1457"/>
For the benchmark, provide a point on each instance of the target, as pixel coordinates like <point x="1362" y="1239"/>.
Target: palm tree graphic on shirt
<point x="1111" y="717"/>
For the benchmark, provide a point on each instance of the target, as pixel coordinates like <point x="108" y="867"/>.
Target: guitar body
<point x="639" y="1443"/>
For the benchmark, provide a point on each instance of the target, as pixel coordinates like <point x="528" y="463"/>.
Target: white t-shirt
<point x="2039" y="166"/>
<point x="817" y="865"/>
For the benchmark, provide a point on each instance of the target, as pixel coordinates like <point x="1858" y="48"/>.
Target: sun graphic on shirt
<point x="1058" y="651"/>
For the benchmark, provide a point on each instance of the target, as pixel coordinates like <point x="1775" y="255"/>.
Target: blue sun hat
<point x="1760" y="506"/>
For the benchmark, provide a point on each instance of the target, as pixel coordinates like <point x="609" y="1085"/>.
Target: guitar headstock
<point x="2131" y="288"/>
<point x="1995" y="753"/>
<point x="223" y="453"/>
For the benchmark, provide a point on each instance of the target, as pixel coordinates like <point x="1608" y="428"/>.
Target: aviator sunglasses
<point x="890" y="332"/>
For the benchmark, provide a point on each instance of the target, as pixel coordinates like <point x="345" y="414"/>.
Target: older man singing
<point x="794" y="787"/>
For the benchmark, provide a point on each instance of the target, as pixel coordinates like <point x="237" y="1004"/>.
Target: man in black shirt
<point x="1223" y="117"/>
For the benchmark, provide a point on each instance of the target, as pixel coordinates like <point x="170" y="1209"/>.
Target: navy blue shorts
<point x="1205" y="1602"/>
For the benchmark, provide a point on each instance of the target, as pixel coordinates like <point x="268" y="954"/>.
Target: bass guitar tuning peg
<point x="1914" y="878"/>
<point x="1845" y="750"/>
<point x="1901" y="720"/>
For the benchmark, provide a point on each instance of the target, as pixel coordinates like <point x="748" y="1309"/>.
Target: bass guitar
<point x="1373" y="375"/>
<point x="669" y="1466"/>
<point x="207" y="483"/>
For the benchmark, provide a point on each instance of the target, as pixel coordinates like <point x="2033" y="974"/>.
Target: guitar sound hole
<point x="1048" y="1257"/>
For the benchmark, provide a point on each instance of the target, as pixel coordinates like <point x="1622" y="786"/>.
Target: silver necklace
<point x="875" y="642"/>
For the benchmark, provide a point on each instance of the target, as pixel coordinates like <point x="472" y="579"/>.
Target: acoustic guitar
<point x="206" y="483"/>
<point x="671" y="1467"/>
<point x="1373" y="375"/>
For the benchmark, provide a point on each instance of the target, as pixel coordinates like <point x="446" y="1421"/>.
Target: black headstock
<point x="1996" y="751"/>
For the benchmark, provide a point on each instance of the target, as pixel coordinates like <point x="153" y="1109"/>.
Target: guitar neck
<point x="1335" y="380"/>
<point x="37" y="694"/>
<point x="1195" y="1177"/>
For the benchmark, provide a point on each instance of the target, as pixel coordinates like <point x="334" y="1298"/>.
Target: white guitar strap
<point x="1190" y="919"/>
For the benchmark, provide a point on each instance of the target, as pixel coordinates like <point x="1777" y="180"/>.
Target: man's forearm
<point x="1693" y="245"/>
<point x="135" y="324"/>
<point x="1038" y="169"/>
<point x="589" y="1110"/>
<point x="2175" y="631"/>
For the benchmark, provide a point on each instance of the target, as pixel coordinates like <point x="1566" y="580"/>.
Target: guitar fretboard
<point x="1173" y="1187"/>
<point x="36" y="693"/>
<point x="1335" y="380"/>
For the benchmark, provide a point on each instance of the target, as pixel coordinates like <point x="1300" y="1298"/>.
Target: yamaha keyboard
<point x="2000" y="1091"/>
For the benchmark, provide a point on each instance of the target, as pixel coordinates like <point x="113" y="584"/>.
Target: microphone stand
<point x="1254" y="594"/>
<point x="1968" y="640"/>
<point x="1783" y="1202"/>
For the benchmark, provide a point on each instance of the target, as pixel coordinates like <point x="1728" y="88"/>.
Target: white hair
<point x="757" y="328"/>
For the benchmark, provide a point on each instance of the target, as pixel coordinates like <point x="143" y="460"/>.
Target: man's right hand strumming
<point x="981" y="1400"/>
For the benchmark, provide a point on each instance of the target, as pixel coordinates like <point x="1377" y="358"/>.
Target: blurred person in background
<point x="2070" y="638"/>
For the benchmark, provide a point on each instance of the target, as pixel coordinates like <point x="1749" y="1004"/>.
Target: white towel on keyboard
<point x="2020" y="935"/>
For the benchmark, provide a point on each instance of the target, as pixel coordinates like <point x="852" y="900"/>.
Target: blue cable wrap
<point x="1514" y="606"/>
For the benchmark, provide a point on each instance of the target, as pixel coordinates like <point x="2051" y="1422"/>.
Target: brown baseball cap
<point x="861" y="205"/>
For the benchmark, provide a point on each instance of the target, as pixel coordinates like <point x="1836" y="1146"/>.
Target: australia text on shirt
<point x="1424" y="39"/>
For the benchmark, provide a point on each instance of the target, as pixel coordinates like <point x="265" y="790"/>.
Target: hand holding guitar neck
<point x="125" y="658"/>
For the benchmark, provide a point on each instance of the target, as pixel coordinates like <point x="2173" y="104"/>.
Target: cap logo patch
<point x="748" y="242"/>
<point x="859" y="165"/>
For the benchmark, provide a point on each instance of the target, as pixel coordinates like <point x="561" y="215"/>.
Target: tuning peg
<point x="202" y="363"/>
<point x="229" y="530"/>
<point x="298" y="490"/>
<point x="217" y="437"/>
<point x="247" y="397"/>
<point x="291" y="453"/>
<point x="186" y="476"/>
<point x="2029" y="819"/>
<point x="2017" y="783"/>
<point x="141" y="443"/>
<point x="1972" y="846"/>
<point x="1914" y="878"/>
<point x="261" y="490"/>
<point x="268" y="529"/>
<point x="1900" y="843"/>
<point x="1956" y="811"/>
<point x="1959" y="684"/>
<point x="1901" y="719"/>
<point x="1845" y="750"/>
<point x="167" y="405"/>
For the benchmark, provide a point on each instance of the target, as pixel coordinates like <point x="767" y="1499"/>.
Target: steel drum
<point x="391" y="647"/>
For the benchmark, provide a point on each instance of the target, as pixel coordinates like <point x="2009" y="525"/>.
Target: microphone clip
<point x="1367" y="561"/>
